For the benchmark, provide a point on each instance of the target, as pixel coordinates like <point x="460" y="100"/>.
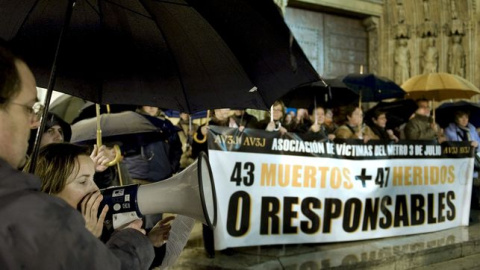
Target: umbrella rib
<point x="129" y="9"/>
<point x="29" y="12"/>
<point x="93" y="7"/>
<point x="140" y="14"/>
<point x="169" y="47"/>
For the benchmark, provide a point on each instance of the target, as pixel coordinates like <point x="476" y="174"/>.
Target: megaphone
<point x="190" y="193"/>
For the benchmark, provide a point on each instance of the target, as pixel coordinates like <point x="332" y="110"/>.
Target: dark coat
<point x="157" y="160"/>
<point x="419" y="128"/>
<point x="246" y="120"/>
<point x="40" y="231"/>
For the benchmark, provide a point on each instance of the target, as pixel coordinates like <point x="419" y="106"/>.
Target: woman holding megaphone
<point x="66" y="171"/>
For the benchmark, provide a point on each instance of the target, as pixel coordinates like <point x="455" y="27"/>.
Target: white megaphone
<point x="190" y="193"/>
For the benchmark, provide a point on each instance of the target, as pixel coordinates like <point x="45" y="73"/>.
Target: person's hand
<point x="441" y="136"/>
<point x="270" y="126"/>
<point x="367" y="138"/>
<point x="331" y="137"/>
<point x="160" y="232"/>
<point x="204" y="130"/>
<point x="391" y="135"/>
<point x="474" y="143"/>
<point x="315" y="127"/>
<point x="89" y="209"/>
<point x="232" y="123"/>
<point x="136" y="225"/>
<point x="101" y="157"/>
<point x="241" y="128"/>
<point x="283" y="130"/>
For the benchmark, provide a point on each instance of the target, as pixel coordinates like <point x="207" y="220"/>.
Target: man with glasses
<point x="40" y="231"/>
<point x="422" y="126"/>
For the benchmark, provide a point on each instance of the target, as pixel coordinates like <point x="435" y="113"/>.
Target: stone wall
<point x="403" y="37"/>
<point x="334" y="44"/>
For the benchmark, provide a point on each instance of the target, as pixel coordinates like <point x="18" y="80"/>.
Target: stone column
<point x="371" y="25"/>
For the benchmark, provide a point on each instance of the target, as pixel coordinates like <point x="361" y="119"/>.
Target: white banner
<point x="269" y="198"/>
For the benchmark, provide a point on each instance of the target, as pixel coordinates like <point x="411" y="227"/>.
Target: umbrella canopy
<point x="439" y="86"/>
<point x="397" y="112"/>
<point x="89" y="110"/>
<point x="67" y="107"/>
<point x="332" y="93"/>
<point x="446" y="112"/>
<point x="184" y="55"/>
<point x="129" y="128"/>
<point x="372" y="87"/>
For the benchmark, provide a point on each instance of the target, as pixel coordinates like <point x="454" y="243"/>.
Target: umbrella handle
<point x="195" y="138"/>
<point x="118" y="156"/>
<point x="99" y="128"/>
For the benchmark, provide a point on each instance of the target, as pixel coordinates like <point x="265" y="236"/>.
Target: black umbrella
<point x="169" y="54"/>
<point x="177" y="54"/>
<point x="445" y="113"/>
<point x="372" y="87"/>
<point x="397" y="112"/>
<point x="328" y="93"/>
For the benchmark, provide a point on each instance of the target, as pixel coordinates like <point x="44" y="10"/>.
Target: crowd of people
<point x="62" y="197"/>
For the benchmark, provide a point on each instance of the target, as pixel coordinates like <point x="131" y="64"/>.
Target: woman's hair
<point x="377" y="113"/>
<point x="284" y="108"/>
<point x="461" y="113"/>
<point x="279" y="102"/>
<point x="312" y="110"/>
<point x="55" y="163"/>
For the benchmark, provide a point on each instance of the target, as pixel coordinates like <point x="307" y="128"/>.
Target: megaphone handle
<point x="122" y="205"/>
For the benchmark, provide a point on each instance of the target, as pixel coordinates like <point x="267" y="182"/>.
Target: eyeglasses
<point x="35" y="111"/>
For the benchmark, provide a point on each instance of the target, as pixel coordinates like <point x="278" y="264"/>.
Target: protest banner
<point x="274" y="189"/>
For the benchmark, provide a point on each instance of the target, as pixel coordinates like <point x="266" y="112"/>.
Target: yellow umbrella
<point x="439" y="86"/>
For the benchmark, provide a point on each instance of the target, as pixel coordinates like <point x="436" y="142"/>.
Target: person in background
<point x="187" y="129"/>
<point x="279" y="111"/>
<point x="288" y="119"/>
<point x="330" y="124"/>
<point x="354" y="127"/>
<point x="243" y="119"/>
<point x="314" y="129"/>
<point x="301" y="119"/>
<point x="157" y="160"/>
<point x="49" y="233"/>
<point x="462" y="130"/>
<point x="378" y="124"/>
<point x="56" y="130"/>
<point x="422" y="126"/>
<point x="220" y="117"/>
